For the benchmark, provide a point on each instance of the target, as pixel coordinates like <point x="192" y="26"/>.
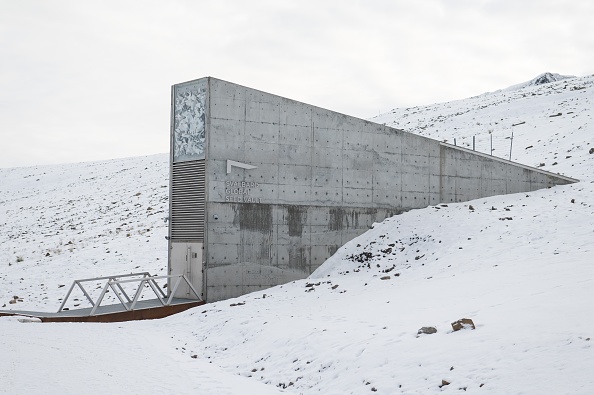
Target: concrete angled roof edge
<point x="498" y="159"/>
<point x="566" y="178"/>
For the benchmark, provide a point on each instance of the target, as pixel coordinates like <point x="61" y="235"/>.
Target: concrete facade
<point x="286" y="183"/>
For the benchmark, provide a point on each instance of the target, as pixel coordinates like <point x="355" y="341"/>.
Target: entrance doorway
<point x="186" y="258"/>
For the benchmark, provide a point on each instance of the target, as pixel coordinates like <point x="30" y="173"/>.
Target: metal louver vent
<point x="188" y="200"/>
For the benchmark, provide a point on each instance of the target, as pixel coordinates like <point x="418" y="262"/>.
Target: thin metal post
<point x="491" y="143"/>
<point x="67" y="296"/>
<point x="110" y="283"/>
<point x="122" y="290"/>
<point x="473" y="145"/>
<point x="155" y="287"/>
<point x="191" y="286"/>
<point x="137" y="294"/>
<point x="455" y="141"/>
<point x="179" y="278"/>
<point x="155" y="291"/>
<point x="511" y="143"/>
<point x="159" y="288"/>
<point x="85" y="292"/>
<point x="174" y="290"/>
<point x="100" y="299"/>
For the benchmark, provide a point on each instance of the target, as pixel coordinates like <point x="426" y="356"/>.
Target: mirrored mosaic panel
<point x="189" y="130"/>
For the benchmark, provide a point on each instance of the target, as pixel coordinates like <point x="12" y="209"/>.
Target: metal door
<point x="186" y="258"/>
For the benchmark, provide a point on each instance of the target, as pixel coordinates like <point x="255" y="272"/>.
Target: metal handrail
<point x="114" y="283"/>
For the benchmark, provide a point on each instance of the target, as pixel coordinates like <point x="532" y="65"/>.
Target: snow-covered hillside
<point x="541" y="79"/>
<point x="82" y="220"/>
<point x="550" y="123"/>
<point x="520" y="266"/>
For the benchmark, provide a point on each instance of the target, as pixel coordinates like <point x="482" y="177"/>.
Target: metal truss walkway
<point x="128" y="308"/>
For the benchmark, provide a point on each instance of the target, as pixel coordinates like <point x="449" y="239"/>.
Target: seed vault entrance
<point x="264" y="189"/>
<point x="187" y="197"/>
<point x="186" y="259"/>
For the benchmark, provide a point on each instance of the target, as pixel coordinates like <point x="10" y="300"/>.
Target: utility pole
<point x="511" y="143"/>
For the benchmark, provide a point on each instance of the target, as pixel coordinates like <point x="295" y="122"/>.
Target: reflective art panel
<point x="189" y="137"/>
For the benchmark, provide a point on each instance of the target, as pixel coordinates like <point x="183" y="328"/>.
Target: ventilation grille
<point x="188" y="200"/>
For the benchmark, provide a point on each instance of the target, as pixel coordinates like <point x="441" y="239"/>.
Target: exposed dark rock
<point x="426" y="330"/>
<point x="362" y="257"/>
<point x="462" y="324"/>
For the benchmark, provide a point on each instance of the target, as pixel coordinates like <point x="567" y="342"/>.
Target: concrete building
<point x="264" y="189"/>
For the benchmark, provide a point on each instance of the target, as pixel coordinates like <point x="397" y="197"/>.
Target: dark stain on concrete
<point x="352" y="219"/>
<point x="332" y="250"/>
<point x="299" y="256"/>
<point x="336" y="218"/>
<point x="297" y="218"/>
<point x="256" y="217"/>
<point x="256" y="232"/>
<point x="256" y="246"/>
<point x="392" y="213"/>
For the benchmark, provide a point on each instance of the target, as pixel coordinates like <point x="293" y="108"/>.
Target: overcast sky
<point x="90" y="80"/>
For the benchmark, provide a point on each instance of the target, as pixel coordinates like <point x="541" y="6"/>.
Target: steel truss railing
<point x="115" y="284"/>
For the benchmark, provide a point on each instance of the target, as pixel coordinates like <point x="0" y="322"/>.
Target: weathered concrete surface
<point x="321" y="179"/>
<point x="266" y="244"/>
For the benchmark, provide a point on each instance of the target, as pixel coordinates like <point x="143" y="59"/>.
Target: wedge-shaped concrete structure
<point x="264" y="189"/>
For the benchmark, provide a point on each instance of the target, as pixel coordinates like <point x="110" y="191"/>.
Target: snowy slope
<point x="541" y="79"/>
<point x="521" y="266"/>
<point x="73" y="221"/>
<point x="551" y="123"/>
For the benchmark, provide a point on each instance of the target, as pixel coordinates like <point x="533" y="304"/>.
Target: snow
<point x="543" y="78"/>
<point x="99" y="358"/>
<point x="77" y="221"/>
<point x="520" y="266"/>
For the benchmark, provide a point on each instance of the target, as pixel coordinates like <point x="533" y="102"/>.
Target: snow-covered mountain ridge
<point x="520" y="266"/>
<point x="544" y="78"/>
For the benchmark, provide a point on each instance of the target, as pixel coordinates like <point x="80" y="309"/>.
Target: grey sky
<point x="90" y="80"/>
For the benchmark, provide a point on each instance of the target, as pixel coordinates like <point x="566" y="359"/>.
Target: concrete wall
<point x="467" y="175"/>
<point x="255" y="246"/>
<point x="321" y="179"/>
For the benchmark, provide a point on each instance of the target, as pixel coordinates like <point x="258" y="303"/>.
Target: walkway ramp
<point x="128" y="308"/>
